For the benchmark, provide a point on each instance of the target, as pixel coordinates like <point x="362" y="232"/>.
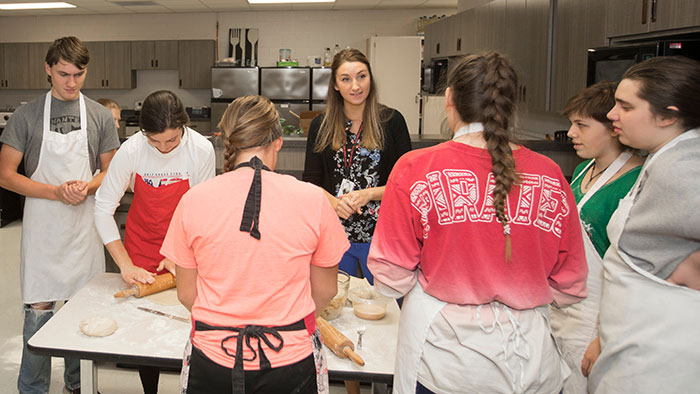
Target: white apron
<point x="61" y="249"/>
<point x="649" y="327"/>
<point x="575" y="326"/>
<point x="520" y="353"/>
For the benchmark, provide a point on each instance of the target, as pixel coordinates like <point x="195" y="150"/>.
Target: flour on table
<point x="167" y="297"/>
<point x="98" y="326"/>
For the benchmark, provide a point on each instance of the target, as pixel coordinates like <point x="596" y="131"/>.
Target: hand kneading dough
<point x="98" y="326"/>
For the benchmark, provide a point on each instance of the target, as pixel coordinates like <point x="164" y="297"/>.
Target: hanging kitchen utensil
<point x="253" y="38"/>
<point x="234" y="49"/>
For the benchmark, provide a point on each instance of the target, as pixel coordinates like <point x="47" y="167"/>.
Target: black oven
<point x="610" y="63"/>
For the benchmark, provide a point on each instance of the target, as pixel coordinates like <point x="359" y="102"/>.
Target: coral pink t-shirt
<point x="244" y="281"/>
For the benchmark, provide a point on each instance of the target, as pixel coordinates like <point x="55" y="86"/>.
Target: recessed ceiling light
<point x="288" y="1"/>
<point x="34" y="6"/>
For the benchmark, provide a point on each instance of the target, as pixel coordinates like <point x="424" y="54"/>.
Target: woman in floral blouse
<point x="351" y="150"/>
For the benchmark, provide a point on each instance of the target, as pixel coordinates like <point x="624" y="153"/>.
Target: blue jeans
<point x="357" y="254"/>
<point x="35" y="370"/>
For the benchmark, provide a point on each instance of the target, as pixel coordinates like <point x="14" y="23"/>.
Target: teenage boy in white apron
<point x="63" y="138"/>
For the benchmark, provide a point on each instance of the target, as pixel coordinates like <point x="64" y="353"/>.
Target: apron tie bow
<point x="241" y="334"/>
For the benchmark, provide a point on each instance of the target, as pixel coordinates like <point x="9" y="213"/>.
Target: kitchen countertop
<point x="419" y="142"/>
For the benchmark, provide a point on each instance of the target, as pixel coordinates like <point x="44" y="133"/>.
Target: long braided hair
<point x="248" y="122"/>
<point x="484" y="90"/>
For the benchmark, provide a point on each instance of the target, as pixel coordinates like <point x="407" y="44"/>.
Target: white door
<point x="396" y="63"/>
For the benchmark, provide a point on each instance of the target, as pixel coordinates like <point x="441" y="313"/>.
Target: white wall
<point x="304" y="32"/>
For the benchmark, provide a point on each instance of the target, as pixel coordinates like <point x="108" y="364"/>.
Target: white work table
<point x="147" y="339"/>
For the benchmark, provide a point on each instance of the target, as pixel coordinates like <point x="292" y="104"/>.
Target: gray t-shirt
<point x="24" y="130"/>
<point x="664" y="224"/>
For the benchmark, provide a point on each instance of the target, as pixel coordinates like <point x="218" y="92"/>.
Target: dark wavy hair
<point x="71" y="50"/>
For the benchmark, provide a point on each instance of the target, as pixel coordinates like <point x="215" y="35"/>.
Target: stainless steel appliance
<point x="434" y="77"/>
<point x="229" y="83"/>
<point x="610" y="63"/>
<point x="11" y="204"/>
<point x="320" y="80"/>
<point x="289" y="88"/>
<point x="131" y="122"/>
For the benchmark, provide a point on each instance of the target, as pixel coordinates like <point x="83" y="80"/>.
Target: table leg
<point x="88" y="377"/>
<point x="380" y="388"/>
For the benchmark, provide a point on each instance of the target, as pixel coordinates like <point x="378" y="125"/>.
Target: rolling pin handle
<point x="353" y="356"/>
<point x="128" y="292"/>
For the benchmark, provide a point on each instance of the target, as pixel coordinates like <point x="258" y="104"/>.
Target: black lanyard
<point x="347" y="162"/>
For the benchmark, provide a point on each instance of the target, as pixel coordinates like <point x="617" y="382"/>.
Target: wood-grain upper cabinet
<point x="149" y="55"/>
<point x="110" y="66"/>
<point x="578" y="25"/>
<point x="37" y="78"/>
<point x="534" y="91"/>
<point x="2" y="66"/>
<point x="628" y="17"/>
<point x="452" y="39"/>
<point x="674" y="14"/>
<point x="15" y="64"/>
<point x="436" y="36"/>
<point x="196" y="58"/>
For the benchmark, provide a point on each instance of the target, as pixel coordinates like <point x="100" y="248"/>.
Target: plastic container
<point x="285" y="54"/>
<point x="335" y="307"/>
<point x="367" y="303"/>
<point x="327" y="58"/>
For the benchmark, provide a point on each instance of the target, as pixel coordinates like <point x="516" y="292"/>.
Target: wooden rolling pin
<point x="138" y="290"/>
<point x="337" y="342"/>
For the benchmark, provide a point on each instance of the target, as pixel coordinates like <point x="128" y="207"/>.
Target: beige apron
<point x="575" y="326"/>
<point x="61" y="250"/>
<point x="649" y="328"/>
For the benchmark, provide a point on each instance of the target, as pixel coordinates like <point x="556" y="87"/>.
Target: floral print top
<point x="368" y="168"/>
<point x="359" y="166"/>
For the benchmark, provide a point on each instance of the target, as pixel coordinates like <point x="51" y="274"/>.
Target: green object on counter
<point x="287" y="64"/>
<point x="289" y="129"/>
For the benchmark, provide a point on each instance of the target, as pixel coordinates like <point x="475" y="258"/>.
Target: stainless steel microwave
<point x="610" y="63"/>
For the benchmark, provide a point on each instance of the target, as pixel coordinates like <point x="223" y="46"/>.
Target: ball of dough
<point x="98" y="326"/>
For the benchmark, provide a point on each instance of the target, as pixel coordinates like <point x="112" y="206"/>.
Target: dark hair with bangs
<point x="162" y="110"/>
<point x="594" y="102"/>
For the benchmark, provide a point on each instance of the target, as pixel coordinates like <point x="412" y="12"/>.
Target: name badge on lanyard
<point x="346" y="185"/>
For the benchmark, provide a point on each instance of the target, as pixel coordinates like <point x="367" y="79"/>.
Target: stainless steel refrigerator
<point x="320" y="79"/>
<point x="289" y="88"/>
<point x="229" y="83"/>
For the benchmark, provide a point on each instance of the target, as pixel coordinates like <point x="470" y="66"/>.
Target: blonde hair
<point x="332" y="130"/>
<point x="248" y="122"/>
<point x="484" y="90"/>
<point x="109" y="103"/>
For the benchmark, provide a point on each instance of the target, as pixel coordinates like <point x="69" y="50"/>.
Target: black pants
<point x="208" y="377"/>
<point x="149" y="379"/>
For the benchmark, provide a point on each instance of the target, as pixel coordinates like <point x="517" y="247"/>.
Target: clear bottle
<point x="336" y="49"/>
<point x="327" y="58"/>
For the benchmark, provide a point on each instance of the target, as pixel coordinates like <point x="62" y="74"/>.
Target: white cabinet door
<point x="396" y="67"/>
<point x="434" y="118"/>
